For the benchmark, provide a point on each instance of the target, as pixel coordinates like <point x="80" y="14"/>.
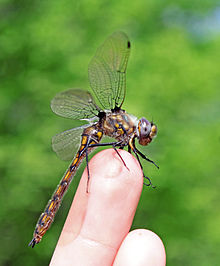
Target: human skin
<point x="96" y="231"/>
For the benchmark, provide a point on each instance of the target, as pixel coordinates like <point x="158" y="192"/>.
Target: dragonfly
<point x="107" y="77"/>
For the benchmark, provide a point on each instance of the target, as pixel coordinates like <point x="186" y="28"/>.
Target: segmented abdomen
<point x="53" y="205"/>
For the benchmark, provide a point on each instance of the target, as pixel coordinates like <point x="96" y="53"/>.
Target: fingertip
<point x="110" y="168"/>
<point x="141" y="247"/>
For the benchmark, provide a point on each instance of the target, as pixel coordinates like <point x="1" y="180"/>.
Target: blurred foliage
<point x="173" y="77"/>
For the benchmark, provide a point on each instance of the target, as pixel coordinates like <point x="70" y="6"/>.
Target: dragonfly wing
<point x="67" y="143"/>
<point x="107" y="70"/>
<point x="75" y="104"/>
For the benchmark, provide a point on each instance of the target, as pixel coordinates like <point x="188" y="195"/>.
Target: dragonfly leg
<point x="149" y="182"/>
<point x="129" y="149"/>
<point x="87" y="164"/>
<point x="132" y="147"/>
<point x="120" y="157"/>
<point x="85" y="150"/>
<point x="142" y="155"/>
<point x="114" y="145"/>
<point x="147" y="159"/>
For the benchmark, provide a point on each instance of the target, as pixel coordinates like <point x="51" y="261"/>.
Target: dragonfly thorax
<point x="119" y="125"/>
<point x="146" y="131"/>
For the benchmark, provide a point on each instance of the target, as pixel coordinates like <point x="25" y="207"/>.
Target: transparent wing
<point x="66" y="144"/>
<point x="107" y="70"/>
<point x="75" y="104"/>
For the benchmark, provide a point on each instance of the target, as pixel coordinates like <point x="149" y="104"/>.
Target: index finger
<point x="99" y="220"/>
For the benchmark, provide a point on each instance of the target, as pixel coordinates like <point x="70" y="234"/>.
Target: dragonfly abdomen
<point x="54" y="203"/>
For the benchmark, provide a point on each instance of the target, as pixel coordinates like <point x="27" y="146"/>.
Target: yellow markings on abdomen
<point x="53" y="205"/>
<point x="83" y="142"/>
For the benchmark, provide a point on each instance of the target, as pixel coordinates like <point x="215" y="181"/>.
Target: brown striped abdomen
<point x="91" y="135"/>
<point x="53" y="205"/>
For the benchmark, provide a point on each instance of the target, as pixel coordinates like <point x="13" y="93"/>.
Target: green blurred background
<point x="173" y="78"/>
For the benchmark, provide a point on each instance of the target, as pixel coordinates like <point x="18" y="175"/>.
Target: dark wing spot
<point x="129" y="44"/>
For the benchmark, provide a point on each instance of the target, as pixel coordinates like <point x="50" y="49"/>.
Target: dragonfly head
<point x="146" y="131"/>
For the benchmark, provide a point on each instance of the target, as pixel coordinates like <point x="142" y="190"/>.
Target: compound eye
<point x="144" y="127"/>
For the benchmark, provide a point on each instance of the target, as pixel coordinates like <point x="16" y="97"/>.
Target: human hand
<point x="96" y="231"/>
